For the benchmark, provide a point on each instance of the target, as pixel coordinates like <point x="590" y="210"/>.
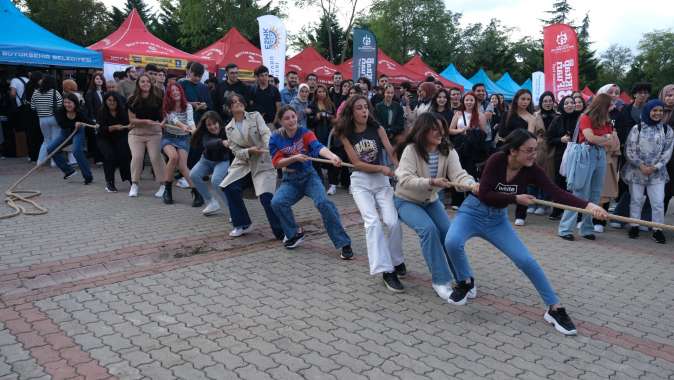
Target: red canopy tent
<point x="310" y="61"/>
<point x="587" y="93"/>
<point x="234" y="48"/>
<point x="417" y="65"/>
<point x="625" y="97"/>
<point x="133" y="44"/>
<point x="396" y="73"/>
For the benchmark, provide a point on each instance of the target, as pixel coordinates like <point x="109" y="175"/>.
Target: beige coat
<point x="414" y="180"/>
<point x="253" y="133"/>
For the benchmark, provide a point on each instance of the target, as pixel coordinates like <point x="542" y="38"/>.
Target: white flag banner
<point x="273" y="46"/>
<point x="537" y="85"/>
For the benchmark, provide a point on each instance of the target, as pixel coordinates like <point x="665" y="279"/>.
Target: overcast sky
<point x="612" y="21"/>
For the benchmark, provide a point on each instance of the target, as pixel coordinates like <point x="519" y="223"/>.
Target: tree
<point x="528" y="55"/>
<point x="406" y="27"/>
<point x="588" y="64"/>
<point x="117" y="17"/>
<point x="204" y="21"/>
<point x="80" y="21"/>
<point x="489" y="48"/>
<point x="167" y="25"/>
<point x="559" y="14"/>
<point x="615" y="62"/>
<point x="655" y="61"/>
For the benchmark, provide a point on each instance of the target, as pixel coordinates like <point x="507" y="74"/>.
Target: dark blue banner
<point x="364" y="55"/>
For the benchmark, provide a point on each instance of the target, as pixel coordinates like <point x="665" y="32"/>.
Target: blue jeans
<point x="475" y="219"/>
<point x="590" y="191"/>
<point x="239" y="213"/>
<point x="217" y="171"/>
<point x="294" y="187"/>
<point x="430" y="222"/>
<point x="78" y="152"/>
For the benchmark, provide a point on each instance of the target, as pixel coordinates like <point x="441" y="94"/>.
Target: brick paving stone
<point x="269" y="313"/>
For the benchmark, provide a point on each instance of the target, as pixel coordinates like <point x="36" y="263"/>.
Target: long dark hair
<point x="202" y="129"/>
<point x="417" y="135"/>
<point x="516" y="139"/>
<point x="48" y="83"/>
<point x="105" y="117"/>
<point x="92" y="83"/>
<point x="346" y="125"/>
<point x="513" y="108"/>
<point x="61" y="113"/>
<point x="154" y="99"/>
<point x="434" y="103"/>
<point x="327" y="102"/>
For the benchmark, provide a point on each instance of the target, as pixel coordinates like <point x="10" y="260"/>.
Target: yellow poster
<point x="166" y="62"/>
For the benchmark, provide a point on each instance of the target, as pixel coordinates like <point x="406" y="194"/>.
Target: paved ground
<point x="105" y="286"/>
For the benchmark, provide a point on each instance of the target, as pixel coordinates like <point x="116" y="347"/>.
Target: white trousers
<point x="656" y="196"/>
<point x="371" y="190"/>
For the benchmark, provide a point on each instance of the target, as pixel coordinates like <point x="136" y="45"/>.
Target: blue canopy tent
<point x="492" y="88"/>
<point x="508" y="84"/>
<point x="527" y="84"/>
<point x="451" y="73"/>
<point x="27" y="43"/>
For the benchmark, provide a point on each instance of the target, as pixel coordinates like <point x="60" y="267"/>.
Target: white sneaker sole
<point x="297" y="243"/>
<point x="394" y="290"/>
<point x="461" y="302"/>
<point x="473" y="292"/>
<point x="548" y="318"/>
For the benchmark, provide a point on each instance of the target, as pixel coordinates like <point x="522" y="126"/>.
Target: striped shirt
<point x="433" y="163"/>
<point x="43" y="103"/>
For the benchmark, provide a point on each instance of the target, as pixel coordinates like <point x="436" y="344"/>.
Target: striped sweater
<point x="43" y="103"/>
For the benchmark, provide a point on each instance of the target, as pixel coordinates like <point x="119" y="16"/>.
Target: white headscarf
<point x="604" y="89"/>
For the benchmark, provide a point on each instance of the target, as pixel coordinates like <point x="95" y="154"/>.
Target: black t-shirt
<point x="69" y="124"/>
<point x="264" y="101"/>
<point x="368" y="145"/>
<point x="145" y="110"/>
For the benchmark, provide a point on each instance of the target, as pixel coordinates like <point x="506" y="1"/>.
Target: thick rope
<point x="14" y="198"/>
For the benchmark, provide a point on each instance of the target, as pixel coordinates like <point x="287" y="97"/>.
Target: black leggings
<point x="116" y="154"/>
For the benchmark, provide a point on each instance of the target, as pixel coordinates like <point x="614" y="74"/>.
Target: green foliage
<point x="167" y="27"/>
<point x="80" y="21"/>
<point x="655" y="61"/>
<point x="559" y="14"/>
<point x="327" y="38"/>
<point x="588" y="63"/>
<point x="615" y="62"/>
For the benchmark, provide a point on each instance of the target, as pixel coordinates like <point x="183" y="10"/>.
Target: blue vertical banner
<point x="364" y="55"/>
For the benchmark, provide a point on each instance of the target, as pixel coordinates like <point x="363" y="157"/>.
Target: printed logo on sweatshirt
<point x="506" y="189"/>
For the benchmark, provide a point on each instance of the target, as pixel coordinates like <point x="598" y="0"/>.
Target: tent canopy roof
<point x="27" y="43"/>
<point x="507" y="83"/>
<point x="133" y="44"/>
<point x="451" y="73"/>
<point x="492" y="88"/>
<point x="527" y="84"/>
<point x="417" y="65"/>
<point x="310" y="61"/>
<point x="395" y="72"/>
<point x="232" y="48"/>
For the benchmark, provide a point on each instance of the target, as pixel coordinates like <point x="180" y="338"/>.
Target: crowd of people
<point x="413" y="155"/>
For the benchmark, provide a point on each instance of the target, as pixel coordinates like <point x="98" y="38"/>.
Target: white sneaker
<point x="540" y="211"/>
<point x="332" y="190"/>
<point x="519" y="222"/>
<point x="238" y="231"/>
<point x="160" y="192"/>
<point x="182" y="183"/>
<point x="615" y="225"/>
<point x="598" y="228"/>
<point x="211" y="208"/>
<point x="443" y="291"/>
<point x="133" y="192"/>
<point x="531" y="210"/>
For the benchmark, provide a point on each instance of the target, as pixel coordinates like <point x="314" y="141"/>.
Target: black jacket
<point x="213" y="148"/>
<point x="93" y="103"/>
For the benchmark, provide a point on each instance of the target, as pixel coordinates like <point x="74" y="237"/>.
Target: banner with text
<point x="364" y="55"/>
<point x="560" y="46"/>
<point x="273" y="46"/>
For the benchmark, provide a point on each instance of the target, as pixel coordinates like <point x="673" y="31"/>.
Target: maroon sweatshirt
<point x="496" y="192"/>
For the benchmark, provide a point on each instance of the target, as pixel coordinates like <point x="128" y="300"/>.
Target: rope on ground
<point x="14" y="198"/>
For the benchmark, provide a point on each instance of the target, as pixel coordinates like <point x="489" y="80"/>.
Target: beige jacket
<point x="414" y="180"/>
<point x="254" y="132"/>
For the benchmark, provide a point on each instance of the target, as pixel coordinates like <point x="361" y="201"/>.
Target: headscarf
<point x="667" y="118"/>
<point x="604" y="89"/>
<point x="568" y="119"/>
<point x="646" y="112"/>
<point x="547" y="115"/>
<point x="617" y="103"/>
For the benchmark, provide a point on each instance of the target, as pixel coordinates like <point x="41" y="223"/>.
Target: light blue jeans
<point x="590" y="191"/>
<point x="294" y="187"/>
<point x="78" y="151"/>
<point x="476" y="219"/>
<point x="217" y="171"/>
<point x="430" y="222"/>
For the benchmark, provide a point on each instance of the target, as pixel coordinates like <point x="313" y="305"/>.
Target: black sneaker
<point x="561" y="320"/>
<point x="88" y="180"/>
<point x="110" y="187"/>
<point x="459" y="293"/>
<point x="347" y="253"/>
<point x="401" y="270"/>
<point x="589" y="237"/>
<point x="295" y="241"/>
<point x="568" y="237"/>
<point x="659" y="237"/>
<point x="392" y="283"/>
<point x="70" y="175"/>
<point x="633" y="232"/>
